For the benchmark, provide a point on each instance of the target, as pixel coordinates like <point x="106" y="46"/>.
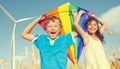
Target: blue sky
<point x="108" y="10"/>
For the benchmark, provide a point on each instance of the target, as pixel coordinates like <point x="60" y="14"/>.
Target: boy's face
<point x="53" y="28"/>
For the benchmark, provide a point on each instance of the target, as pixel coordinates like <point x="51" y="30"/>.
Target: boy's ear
<point x="44" y="28"/>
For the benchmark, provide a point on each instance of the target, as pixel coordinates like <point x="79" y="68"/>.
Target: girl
<point x="94" y="54"/>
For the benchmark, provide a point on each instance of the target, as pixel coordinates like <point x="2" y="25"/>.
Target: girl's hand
<point x="82" y="12"/>
<point x="91" y="14"/>
<point x="74" y="12"/>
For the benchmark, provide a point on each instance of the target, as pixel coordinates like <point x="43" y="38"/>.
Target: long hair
<point x="97" y="33"/>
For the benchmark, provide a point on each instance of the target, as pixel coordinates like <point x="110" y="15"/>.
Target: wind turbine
<point x="13" y="32"/>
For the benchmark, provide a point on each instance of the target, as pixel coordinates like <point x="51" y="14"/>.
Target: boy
<point x="52" y="47"/>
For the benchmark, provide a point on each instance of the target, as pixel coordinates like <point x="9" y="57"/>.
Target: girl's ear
<point x="60" y="30"/>
<point x="86" y="28"/>
<point x="98" y="26"/>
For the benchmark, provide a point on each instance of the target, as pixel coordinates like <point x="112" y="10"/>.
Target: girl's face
<point x="92" y="27"/>
<point x="53" y="28"/>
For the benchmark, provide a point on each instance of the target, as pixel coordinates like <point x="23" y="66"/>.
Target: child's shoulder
<point x="65" y="35"/>
<point x="41" y="35"/>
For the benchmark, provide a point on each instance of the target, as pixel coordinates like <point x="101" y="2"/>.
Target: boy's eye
<point x="49" y="26"/>
<point x="55" y="26"/>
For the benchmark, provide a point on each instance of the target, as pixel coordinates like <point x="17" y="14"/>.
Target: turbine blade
<point x="25" y="19"/>
<point x="7" y="14"/>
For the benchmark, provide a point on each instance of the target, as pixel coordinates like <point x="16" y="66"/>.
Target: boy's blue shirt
<point x="53" y="56"/>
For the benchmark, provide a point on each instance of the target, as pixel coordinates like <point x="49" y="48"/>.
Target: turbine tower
<point x="14" y="22"/>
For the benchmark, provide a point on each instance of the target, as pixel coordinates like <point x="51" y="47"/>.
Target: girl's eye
<point x="89" y="23"/>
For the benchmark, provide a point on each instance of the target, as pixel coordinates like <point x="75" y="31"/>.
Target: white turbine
<point x="13" y="32"/>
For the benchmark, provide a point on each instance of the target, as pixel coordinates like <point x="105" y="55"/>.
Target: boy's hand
<point x="40" y="18"/>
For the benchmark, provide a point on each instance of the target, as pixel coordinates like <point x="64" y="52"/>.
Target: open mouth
<point x="52" y="32"/>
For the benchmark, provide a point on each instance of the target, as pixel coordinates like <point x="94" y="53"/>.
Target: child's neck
<point x="53" y="38"/>
<point x="94" y="36"/>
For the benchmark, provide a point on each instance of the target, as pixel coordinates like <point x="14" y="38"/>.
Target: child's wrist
<point x="95" y="17"/>
<point x="36" y="21"/>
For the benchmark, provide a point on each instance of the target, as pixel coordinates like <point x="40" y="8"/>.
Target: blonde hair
<point x="52" y="18"/>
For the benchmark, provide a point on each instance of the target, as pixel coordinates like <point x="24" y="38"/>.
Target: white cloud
<point x="112" y="18"/>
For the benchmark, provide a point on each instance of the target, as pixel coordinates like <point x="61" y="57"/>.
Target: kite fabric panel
<point x="64" y="12"/>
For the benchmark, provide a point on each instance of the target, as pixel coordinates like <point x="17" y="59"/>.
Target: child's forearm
<point x="103" y="25"/>
<point x="77" y="18"/>
<point x="76" y="24"/>
<point x="100" y="21"/>
<point x="79" y="29"/>
<point x="29" y="28"/>
<point x="26" y="34"/>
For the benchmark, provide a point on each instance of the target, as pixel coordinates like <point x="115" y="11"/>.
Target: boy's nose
<point x="52" y="26"/>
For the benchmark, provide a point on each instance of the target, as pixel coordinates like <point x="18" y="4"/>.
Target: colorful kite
<point x="64" y="12"/>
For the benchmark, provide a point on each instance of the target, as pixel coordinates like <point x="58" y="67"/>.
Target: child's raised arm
<point x="78" y="28"/>
<point x="26" y="34"/>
